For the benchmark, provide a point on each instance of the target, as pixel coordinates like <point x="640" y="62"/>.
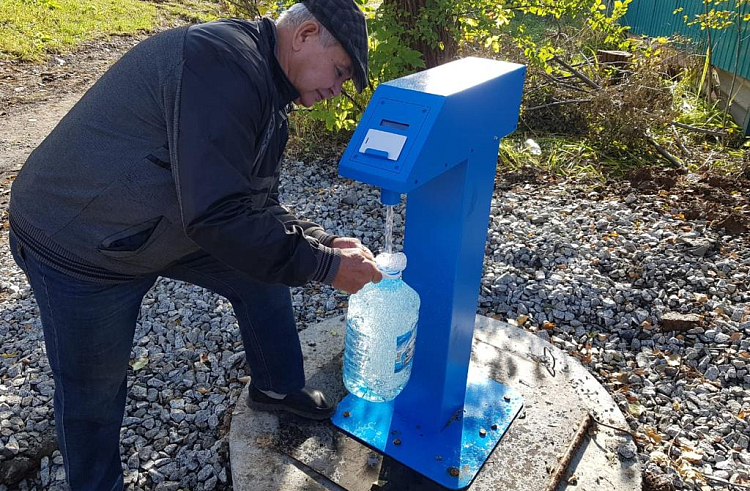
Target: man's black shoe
<point x="308" y="403"/>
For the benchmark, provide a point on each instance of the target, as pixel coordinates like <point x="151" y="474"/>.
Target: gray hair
<point x="296" y="15"/>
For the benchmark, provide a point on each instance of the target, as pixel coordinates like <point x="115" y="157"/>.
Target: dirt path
<point x="23" y="130"/>
<point x="34" y="97"/>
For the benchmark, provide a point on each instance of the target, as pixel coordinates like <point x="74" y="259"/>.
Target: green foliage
<point x="563" y="156"/>
<point x="482" y="23"/>
<point x="718" y="14"/>
<point x="253" y="9"/>
<point x="608" y="26"/>
<point x="693" y="109"/>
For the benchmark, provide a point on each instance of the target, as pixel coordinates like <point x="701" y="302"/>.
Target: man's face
<point x="317" y="71"/>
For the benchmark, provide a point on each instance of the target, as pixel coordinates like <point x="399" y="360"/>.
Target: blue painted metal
<point x="389" y="197"/>
<point x="463" y="443"/>
<point x="453" y="117"/>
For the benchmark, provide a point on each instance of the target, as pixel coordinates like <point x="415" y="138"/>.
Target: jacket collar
<point x="287" y="91"/>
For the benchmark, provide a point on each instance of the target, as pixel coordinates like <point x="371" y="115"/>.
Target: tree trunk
<point x="432" y="55"/>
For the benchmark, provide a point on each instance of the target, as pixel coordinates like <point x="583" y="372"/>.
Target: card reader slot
<point x="387" y="123"/>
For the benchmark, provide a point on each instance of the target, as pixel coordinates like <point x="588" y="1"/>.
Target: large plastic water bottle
<point x="381" y="331"/>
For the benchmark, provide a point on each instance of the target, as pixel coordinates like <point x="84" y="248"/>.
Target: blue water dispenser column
<point x="433" y="136"/>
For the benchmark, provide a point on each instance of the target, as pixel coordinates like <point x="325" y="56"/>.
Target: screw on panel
<point x="453" y="471"/>
<point x="347" y="414"/>
<point x="397" y="441"/>
<point x="482" y="432"/>
<point x="506" y="398"/>
<point x="494" y="427"/>
<point x="438" y="458"/>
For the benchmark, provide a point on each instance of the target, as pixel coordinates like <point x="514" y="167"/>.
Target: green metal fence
<point x="731" y="46"/>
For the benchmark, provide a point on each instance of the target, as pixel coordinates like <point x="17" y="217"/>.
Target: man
<point x="169" y="166"/>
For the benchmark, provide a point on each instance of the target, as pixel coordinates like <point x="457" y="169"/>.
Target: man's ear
<point x="304" y="33"/>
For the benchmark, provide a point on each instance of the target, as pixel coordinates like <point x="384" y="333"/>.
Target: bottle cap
<point x="391" y="265"/>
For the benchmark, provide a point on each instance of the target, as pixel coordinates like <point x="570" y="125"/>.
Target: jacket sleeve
<point x="218" y="125"/>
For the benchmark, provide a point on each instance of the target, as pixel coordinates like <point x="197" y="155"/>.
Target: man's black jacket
<point x="177" y="148"/>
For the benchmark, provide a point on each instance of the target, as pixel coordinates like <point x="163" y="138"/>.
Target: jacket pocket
<point x="135" y="240"/>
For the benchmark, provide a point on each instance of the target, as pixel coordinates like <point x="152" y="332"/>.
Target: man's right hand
<point x="355" y="271"/>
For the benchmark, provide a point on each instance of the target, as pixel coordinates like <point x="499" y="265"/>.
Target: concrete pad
<point x="271" y="452"/>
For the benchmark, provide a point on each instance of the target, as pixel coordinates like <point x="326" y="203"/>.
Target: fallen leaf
<point x="653" y="435"/>
<point x="636" y="409"/>
<point x="140" y="363"/>
<point x="522" y="319"/>
<point x="621" y="377"/>
<point x="548" y="325"/>
<point x="692" y="457"/>
<point x="689" y="473"/>
<point x="673" y="360"/>
<point x="658" y="457"/>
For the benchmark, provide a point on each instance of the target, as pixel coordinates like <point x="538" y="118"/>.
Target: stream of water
<point x="389" y="229"/>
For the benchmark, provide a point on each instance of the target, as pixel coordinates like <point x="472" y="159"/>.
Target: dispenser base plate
<point x="452" y="456"/>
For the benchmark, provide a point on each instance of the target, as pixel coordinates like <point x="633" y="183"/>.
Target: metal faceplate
<point x="451" y="457"/>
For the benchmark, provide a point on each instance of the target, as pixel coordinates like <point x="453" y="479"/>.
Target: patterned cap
<point x="346" y="22"/>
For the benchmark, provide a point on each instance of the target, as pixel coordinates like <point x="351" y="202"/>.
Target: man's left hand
<point x="351" y="243"/>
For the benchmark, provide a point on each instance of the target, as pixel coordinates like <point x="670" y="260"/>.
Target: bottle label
<point x="404" y="350"/>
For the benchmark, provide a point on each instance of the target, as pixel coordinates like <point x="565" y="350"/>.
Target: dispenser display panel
<point x="392" y="129"/>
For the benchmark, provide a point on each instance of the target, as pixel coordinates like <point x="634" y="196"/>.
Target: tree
<point x="427" y="28"/>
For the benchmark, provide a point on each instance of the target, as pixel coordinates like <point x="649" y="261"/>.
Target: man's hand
<point x="351" y="243"/>
<point x="356" y="270"/>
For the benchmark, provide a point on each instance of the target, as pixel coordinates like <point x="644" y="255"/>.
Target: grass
<point x="31" y="29"/>
<point x="563" y="156"/>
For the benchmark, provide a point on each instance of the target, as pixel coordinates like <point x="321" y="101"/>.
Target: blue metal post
<point x="446" y="235"/>
<point x="434" y="136"/>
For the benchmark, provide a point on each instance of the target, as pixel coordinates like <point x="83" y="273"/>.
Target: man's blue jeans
<point x="88" y="333"/>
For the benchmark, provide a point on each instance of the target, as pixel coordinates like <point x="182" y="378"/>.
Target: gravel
<point x="602" y="275"/>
